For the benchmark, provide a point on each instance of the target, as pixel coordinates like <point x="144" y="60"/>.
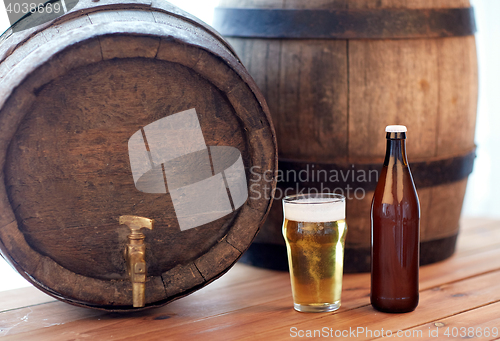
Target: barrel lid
<point x="146" y="115"/>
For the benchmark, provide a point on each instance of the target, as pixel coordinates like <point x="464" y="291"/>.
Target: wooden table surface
<point x="459" y="298"/>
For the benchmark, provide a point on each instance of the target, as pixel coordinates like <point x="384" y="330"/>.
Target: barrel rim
<point x="85" y="7"/>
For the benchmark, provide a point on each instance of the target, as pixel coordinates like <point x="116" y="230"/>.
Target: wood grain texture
<point x="251" y="303"/>
<point x="21" y="298"/>
<point x="305" y="84"/>
<point x="67" y="171"/>
<point x="129" y="47"/>
<point x="392" y="82"/>
<point x="457" y="95"/>
<point x="485" y="235"/>
<point x="475" y="323"/>
<point x="437" y="303"/>
<point x="271" y="319"/>
<point x="86" y="169"/>
<point x="181" y="278"/>
<point x="21" y="52"/>
<point x="313" y="88"/>
<point x="212" y="263"/>
<point x="240" y="236"/>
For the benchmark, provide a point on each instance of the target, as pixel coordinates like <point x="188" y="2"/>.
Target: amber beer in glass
<point x="395" y="231"/>
<point x="314" y="229"/>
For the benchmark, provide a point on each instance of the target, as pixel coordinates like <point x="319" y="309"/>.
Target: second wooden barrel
<point x="335" y="73"/>
<point x="114" y="114"/>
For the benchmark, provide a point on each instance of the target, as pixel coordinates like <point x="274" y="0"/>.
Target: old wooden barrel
<point x="335" y="73"/>
<point x="119" y="110"/>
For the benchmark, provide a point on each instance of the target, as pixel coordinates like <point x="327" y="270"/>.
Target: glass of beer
<point x="314" y="230"/>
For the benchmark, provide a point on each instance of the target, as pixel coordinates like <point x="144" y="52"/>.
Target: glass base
<point x="317" y="307"/>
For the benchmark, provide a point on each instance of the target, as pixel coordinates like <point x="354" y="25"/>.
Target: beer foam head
<point x="314" y="209"/>
<point x="395" y="129"/>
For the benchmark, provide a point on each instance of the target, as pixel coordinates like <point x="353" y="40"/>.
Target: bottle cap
<point x="395" y="129"/>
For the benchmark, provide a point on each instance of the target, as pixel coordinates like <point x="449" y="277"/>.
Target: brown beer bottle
<point x="395" y="231"/>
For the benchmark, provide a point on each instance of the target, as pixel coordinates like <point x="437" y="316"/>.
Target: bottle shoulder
<point x="396" y="188"/>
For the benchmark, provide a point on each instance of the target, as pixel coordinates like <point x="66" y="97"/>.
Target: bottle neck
<point x="396" y="148"/>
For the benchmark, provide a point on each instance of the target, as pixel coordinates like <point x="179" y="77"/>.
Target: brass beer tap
<point x="135" y="256"/>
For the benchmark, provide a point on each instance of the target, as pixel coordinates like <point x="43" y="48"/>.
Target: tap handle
<point x="135" y="223"/>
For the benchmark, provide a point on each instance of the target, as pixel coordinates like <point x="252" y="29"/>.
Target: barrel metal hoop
<point x="386" y="23"/>
<point x="273" y="256"/>
<point x="298" y="175"/>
